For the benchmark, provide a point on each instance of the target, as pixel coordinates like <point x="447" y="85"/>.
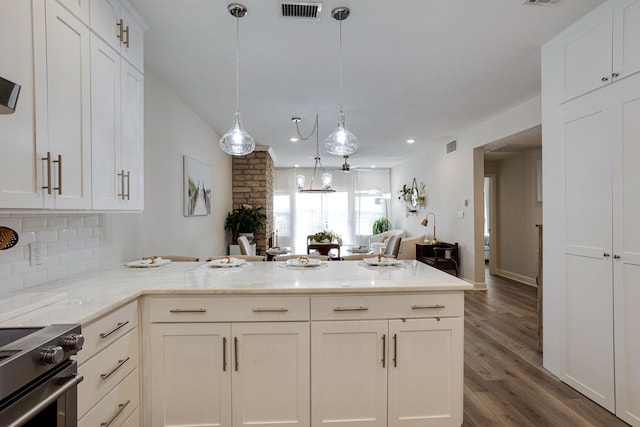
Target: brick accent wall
<point x="253" y="185"/>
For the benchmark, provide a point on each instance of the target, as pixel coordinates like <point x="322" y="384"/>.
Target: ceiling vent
<point x="541" y="2"/>
<point x="301" y="10"/>
<point x="452" y="146"/>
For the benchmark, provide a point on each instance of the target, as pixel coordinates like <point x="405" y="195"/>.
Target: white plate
<point x="224" y="263"/>
<point x="278" y="251"/>
<point x="145" y="263"/>
<point x="382" y="262"/>
<point x="312" y="262"/>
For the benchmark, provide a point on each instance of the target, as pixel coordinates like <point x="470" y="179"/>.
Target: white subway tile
<point x="67" y="234"/>
<point x="33" y="223"/>
<point x="75" y="245"/>
<point x="56" y="248"/>
<point x="91" y="243"/>
<point x="12" y="223"/>
<point x="11" y="284"/>
<point x="85" y="232"/>
<point x="5" y="271"/>
<point x="75" y="221"/>
<point x="27" y="237"/>
<point x="56" y="222"/>
<point x="56" y="273"/>
<point x="13" y="254"/>
<point x="47" y="236"/>
<point x="75" y="268"/>
<point x="34" y="279"/>
<point x="91" y="221"/>
<point x="21" y="268"/>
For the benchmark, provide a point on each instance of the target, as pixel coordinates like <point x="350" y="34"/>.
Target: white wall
<point x="76" y="243"/>
<point x="518" y="212"/>
<point x="453" y="178"/>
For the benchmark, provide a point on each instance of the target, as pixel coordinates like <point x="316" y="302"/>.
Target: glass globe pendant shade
<point x="341" y="142"/>
<point x="237" y="141"/>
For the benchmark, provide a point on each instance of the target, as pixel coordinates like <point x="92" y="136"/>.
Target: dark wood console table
<point x="441" y="255"/>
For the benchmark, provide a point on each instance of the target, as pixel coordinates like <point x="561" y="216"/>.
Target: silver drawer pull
<point x="426" y="307"/>
<point x="115" y="414"/>
<point x="270" y="310"/>
<point x="113" y="371"/>
<point x="350" y="308"/>
<point x="193" y="310"/>
<point x="120" y="325"/>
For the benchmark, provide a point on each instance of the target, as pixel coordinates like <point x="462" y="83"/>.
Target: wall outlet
<point x="461" y="214"/>
<point x="35" y="253"/>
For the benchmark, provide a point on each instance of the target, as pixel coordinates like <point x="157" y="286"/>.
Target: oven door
<point x="51" y="400"/>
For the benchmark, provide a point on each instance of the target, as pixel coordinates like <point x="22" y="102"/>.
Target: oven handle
<point x="73" y="382"/>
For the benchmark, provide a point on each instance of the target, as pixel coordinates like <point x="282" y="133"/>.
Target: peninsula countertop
<point x="83" y="298"/>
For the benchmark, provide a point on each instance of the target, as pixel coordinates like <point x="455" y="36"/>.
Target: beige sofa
<point x="408" y="246"/>
<point x="378" y="241"/>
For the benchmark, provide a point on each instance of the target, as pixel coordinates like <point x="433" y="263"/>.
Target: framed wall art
<point x="197" y="187"/>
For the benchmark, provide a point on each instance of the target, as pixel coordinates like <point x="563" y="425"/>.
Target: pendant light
<point x="237" y="141"/>
<point x="341" y="142"/>
<point x="326" y="178"/>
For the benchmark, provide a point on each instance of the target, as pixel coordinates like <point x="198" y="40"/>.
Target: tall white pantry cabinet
<point x="591" y="135"/>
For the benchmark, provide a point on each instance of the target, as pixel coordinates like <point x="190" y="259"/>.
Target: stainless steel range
<point x="38" y="379"/>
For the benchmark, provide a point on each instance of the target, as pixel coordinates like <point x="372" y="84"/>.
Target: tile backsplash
<point x="70" y="245"/>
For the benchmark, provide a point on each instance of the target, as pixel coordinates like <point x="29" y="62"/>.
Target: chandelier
<point x="326" y="178"/>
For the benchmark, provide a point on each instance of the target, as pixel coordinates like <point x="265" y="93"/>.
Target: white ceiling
<point x="423" y="69"/>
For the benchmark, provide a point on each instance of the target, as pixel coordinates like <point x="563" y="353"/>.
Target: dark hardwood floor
<point x="504" y="382"/>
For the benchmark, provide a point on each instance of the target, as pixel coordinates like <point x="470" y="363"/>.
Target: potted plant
<point x="404" y="193"/>
<point x="381" y="225"/>
<point x="245" y="220"/>
<point x="327" y="236"/>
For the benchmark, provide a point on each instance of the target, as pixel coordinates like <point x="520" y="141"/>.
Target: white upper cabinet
<point x="80" y="8"/>
<point x="19" y="187"/>
<point x="63" y="107"/>
<point x="119" y="26"/>
<point x="602" y="48"/>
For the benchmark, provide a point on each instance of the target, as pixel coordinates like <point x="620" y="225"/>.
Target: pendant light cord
<point x="340" y="66"/>
<point x="237" y="64"/>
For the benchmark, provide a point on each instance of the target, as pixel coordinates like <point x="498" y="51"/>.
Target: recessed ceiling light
<point x="293" y="139"/>
<point x="296" y="166"/>
<point x="410" y="141"/>
<point x="373" y="166"/>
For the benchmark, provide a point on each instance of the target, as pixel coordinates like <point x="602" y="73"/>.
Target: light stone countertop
<point x="83" y="298"/>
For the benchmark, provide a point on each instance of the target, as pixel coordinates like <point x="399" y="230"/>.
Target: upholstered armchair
<point x="408" y="247"/>
<point x="378" y="241"/>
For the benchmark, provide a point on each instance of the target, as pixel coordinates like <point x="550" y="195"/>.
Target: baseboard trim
<point x="525" y="280"/>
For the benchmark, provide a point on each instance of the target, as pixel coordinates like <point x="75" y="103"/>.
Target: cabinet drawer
<point x="228" y="309"/>
<point x="356" y="307"/>
<point x="104" y="371"/>
<point x="104" y="331"/>
<point x="116" y="406"/>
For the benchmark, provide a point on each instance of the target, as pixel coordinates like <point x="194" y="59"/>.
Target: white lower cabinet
<point x="387" y="373"/>
<point x="227" y="373"/>
<point x="356" y="361"/>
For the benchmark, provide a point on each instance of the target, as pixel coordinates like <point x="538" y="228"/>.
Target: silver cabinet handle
<point x="427" y="307"/>
<point x="59" y="162"/>
<point x="126" y="40"/>
<point x="119" y="326"/>
<point x="350" y="308"/>
<point x="235" y="353"/>
<point x="605" y="79"/>
<point x="395" y="350"/>
<point x="128" y="175"/>
<point x="121" y="176"/>
<point x="115" y="414"/>
<point x="616" y="256"/>
<point x="224" y="354"/>
<point x="120" y="25"/>
<point x="48" y="160"/>
<point x="270" y="310"/>
<point x="614" y="75"/>
<point x="188" y="310"/>
<point x="113" y="371"/>
<point x="606" y="254"/>
<point x="384" y="350"/>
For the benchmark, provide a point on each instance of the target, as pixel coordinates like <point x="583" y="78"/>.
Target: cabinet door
<point x="132" y="48"/>
<point x="349" y="374"/>
<point x="105" y="20"/>
<point x="80" y="8"/>
<point x="627" y="248"/>
<point x="588" y="327"/>
<point x="68" y="107"/>
<point x="587" y="53"/>
<point x="425" y="372"/>
<point x="133" y="137"/>
<point x="19" y="187"/>
<point x="270" y="382"/>
<point x="190" y="384"/>
<point x="626" y="37"/>
<point x="105" y="126"/>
